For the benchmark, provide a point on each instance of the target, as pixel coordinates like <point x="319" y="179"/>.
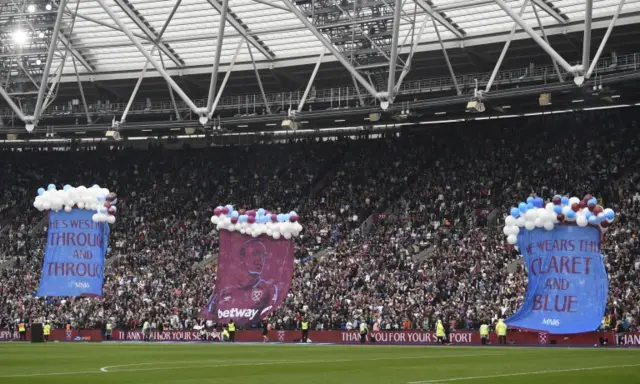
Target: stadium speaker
<point x="475" y="106"/>
<point x="189" y="131"/>
<point x="292" y="125"/>
<point x="115" y="135"/>
<point x="545" y="99"/>
<point x="37" y="334"/>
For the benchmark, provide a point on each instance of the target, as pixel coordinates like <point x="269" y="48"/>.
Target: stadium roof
<point x="439" y="48"/>
<point x="279" y="38"/>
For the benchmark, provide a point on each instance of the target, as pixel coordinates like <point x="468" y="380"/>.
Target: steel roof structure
<point x="376" y="50"/>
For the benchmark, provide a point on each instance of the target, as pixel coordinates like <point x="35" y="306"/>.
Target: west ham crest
<point x="256" y="295"/>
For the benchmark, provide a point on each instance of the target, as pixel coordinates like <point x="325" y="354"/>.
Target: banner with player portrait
<point x="254" y="276"/>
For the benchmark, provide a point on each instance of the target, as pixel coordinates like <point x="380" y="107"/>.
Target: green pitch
<point x="310" y="364"/>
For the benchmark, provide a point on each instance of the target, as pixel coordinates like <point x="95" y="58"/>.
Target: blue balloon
<point x="114" y="202"/>
<point x="593" y="201"/>
<point x="285" y="217"/>
<point x="609" y="215"/>
<point x="243" y="218"/>
<point x="601" y="217"/>
<point x="230" y="207"/>
<point x="530" y="206"/>
<point x="593" y="220"/>
<point x="102" y="210"/>
<point x="557" y="209"/>
<point x="515" y="212"/>
<point x="538" y="202"/>
<point x="588" y="215"/>
<point x="265" y="219"/>
<point x="522" y="207"/>
<point x="530" y="200"/>
<point x="571" y="215"/>
<point x="235" y="214"/>
<point x="281" y="218"/>
<point x="40" y="191"/>
<point x="101" y="199"/>
<point x="564" y="200"/>
<point x="51" y="186"/>
<point x="293" y="213"/>
<point x="261" y="212"/>
<point x="66" y="187"/>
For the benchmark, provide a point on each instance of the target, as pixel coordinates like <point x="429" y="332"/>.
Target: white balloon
<point x="68" y="209"/>
<point x="111" y="219"/>
<point x="566" y="210"/>
<point x="548" y="226"/>
<point x="506" y="230"/>
<point x="510" y="220"/>
<point x="514" y="230"/>
<point x="574" y="200"/>
<point x="81" y="205"/>
<point x="520" y="221"/>
<point x="95" y="218"/>
<point x="512" y="239"/>
<point x="582" y="221"/>
<point x="269" y="232"/>
<point x="530" y="215"/>
<point x="46" y="205"/>
<point x="287" y="236"/>
<point x="549" y="207"/>
<point x="539" y="223"/>
<point x="529" y="225"/>
<point x="276" y="235"/>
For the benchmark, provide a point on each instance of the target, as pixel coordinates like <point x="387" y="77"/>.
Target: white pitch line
<point x="522" y="374"/>
<point x="105" y="369"/>
<point x="276" y="362"/>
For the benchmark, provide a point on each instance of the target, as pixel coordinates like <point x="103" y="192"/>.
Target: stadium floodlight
<point x="41" y="35"/>
<point x="38" y="61"/>
<point x="48" y="6"/>
<point x="19" y="36"/>
<point x="31" y="8"/>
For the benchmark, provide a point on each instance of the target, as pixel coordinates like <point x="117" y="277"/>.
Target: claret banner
<point x="74" y="256"/>
<point x="568" y="284"/>
<point x="254" y="276"/>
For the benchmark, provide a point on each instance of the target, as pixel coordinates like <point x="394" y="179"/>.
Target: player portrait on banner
<point x="255" y="265"/>
<point x="255" y="295"/>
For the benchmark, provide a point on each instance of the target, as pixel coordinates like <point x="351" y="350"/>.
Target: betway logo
<point x="551" y="322"/>
<point x="237" y="312"/>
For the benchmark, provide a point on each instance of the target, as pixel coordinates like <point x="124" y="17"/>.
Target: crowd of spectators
<point x="403" y="229"/>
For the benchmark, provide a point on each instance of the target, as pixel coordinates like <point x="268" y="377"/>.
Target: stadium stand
<point x="404" y="228"/>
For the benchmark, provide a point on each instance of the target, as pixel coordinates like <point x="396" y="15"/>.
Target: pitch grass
<point x="309" y="364"/>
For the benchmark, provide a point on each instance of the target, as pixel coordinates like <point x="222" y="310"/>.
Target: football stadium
<point x="319" y="191"/>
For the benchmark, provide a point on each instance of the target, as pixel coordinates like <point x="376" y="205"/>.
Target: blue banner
<point x="568" y="284"/>
<point x="74" y="257"/>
